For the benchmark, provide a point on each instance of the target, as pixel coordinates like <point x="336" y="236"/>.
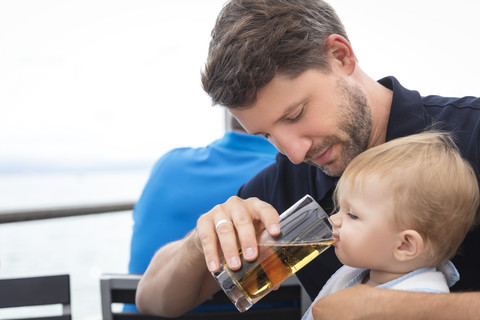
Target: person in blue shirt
<point x="287" y="70"/>
<point x="187" y="182"/>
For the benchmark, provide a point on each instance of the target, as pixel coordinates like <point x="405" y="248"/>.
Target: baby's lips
<point x="336" y="238"/>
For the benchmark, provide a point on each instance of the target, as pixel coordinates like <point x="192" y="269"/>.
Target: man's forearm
<point x="458" y="306"/>
<point x="364" y="302"/>
<point x="176" y="280"/>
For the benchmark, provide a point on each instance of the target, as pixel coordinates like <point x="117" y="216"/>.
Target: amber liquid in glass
<point x="274" y="266"/>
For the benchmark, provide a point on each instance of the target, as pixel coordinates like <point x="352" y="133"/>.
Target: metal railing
<point x="61" y="212"/>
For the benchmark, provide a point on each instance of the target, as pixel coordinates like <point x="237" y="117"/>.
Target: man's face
<point x="317" y="117"/>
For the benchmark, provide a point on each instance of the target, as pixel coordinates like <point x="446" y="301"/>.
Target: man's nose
<point x="294" y="148"/>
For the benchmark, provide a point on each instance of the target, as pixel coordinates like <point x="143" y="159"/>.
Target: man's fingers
<point x="208" y="241"/>
<point x="232" y="224"/>
<point x="228" y="242"/>
<point x="256" y="216"/>
<point x="268" y="215"/>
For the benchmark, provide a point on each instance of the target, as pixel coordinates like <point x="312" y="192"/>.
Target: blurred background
<point x="92" y="93"/>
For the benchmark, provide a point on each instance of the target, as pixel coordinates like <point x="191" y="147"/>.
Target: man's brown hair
<point x="255" y="40"/>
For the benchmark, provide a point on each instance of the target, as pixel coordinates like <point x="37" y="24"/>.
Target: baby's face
<point x="364" y="229"/>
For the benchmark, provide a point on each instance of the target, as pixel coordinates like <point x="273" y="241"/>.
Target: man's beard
<point x="355" y="127"/>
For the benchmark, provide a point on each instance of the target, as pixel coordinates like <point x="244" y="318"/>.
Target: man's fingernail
<point x="212" y="266"/>
<point x="249" y="253"/>
<point x="234" y="262"/>
<point x="274" y="228"/>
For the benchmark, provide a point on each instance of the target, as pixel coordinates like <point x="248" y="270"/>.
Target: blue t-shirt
<point x="188" y="182"/>
<point x="283" y="183"/>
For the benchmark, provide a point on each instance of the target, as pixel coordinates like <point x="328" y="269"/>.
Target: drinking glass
<point x="305" y="233"/>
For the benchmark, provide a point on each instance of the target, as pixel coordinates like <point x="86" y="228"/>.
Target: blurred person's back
<point x="187" y="182"/>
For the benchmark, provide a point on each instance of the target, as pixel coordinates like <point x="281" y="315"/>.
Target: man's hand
<point x="234" y="222"/>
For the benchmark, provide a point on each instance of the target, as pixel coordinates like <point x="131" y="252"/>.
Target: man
<point x="286" y="70"/>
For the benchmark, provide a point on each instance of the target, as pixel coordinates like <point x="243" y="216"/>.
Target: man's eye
<point x="297" y="116"/>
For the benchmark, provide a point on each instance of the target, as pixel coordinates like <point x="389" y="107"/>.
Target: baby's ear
<point x="409" y="246"/>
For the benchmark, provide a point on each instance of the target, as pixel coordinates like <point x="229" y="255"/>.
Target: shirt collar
<point x="406" y="114"/>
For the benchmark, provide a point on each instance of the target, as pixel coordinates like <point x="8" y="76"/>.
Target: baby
<point x="403" y="209"/>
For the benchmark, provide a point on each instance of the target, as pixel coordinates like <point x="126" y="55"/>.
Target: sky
<point x="118" y="82"/>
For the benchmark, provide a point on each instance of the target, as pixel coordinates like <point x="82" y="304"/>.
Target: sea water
<point x="83" y="246"/>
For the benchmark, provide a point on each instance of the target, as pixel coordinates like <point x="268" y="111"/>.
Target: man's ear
<point x="340" y="53"/>
<point x="410" y="245"/>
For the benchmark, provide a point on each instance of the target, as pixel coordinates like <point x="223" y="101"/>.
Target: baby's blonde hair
<point x="435" y="190"/>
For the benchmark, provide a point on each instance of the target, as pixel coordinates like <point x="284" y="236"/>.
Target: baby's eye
<point x="352" y="215"/>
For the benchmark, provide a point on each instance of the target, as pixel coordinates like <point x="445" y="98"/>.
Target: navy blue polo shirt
<point x="283" y="183"/>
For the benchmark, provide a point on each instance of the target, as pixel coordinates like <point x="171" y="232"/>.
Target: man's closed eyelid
<point x="298" y="115"/>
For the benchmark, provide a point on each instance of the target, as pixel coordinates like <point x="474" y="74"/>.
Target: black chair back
<point x="37" y="291"/>
<point x="282" y="304"/>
